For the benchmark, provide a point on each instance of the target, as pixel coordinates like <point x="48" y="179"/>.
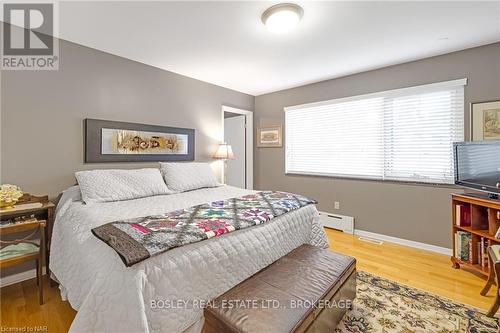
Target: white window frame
<point x="425" y="88"/>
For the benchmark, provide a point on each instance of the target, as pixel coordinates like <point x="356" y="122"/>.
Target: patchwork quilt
<point x="140" y="238"/>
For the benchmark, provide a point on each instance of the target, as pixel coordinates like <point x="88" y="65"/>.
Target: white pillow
<point x="182" y="177"/>
<point x="116" y="185"/>
<point x="68" y="196"/>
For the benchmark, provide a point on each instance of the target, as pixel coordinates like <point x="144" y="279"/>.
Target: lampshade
<point x="224" y="152"/>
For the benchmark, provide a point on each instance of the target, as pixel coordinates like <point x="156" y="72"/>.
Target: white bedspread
<point x="110" y="297"/>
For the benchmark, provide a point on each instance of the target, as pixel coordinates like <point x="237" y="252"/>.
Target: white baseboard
<point x="405" y="242"/>
<point x="19" y="277"/>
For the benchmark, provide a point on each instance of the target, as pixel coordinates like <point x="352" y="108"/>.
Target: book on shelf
<point x="479" y="255"/>
<point x="497" y="234"/>
<point x="486" y="262"/>
<point x="481" y="252"/>
<point x="463" y="247"/>
<point x="470" y="256"/>
<point x="462" y="215"/>
<point x="484" y="252"/>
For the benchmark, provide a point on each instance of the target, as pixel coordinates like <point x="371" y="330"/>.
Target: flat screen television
<point x="477" y="166"/>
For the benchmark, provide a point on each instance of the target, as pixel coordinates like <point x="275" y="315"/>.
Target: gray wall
<point x="414" y="212"/>
<point x="42" y="116"/>
<point x="42" y="113"/>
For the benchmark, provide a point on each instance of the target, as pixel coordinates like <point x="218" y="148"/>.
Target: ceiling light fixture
<point x="282" y="17"/>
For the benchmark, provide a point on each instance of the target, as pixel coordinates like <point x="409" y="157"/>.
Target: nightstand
<point x="33" y="207"/>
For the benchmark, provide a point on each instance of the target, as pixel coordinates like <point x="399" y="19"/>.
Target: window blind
<point x="403" y="135"/>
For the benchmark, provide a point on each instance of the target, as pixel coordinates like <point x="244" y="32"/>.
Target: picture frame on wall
<point x="115" y="141"/>
<point x="269" y="137"/>
<point x="485" y="120"/>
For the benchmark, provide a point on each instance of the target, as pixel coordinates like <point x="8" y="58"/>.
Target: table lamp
<point x="224" y="152"/>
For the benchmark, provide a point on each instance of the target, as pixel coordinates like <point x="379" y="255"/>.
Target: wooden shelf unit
<point x="484" y="222"/>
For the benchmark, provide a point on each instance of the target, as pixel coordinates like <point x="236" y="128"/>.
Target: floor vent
<point x="371" y="240"/>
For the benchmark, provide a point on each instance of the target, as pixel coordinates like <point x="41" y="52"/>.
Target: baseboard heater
<point x="338" y="222"/>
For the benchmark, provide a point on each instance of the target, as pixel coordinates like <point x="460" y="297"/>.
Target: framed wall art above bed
<point x="114" y="141"/>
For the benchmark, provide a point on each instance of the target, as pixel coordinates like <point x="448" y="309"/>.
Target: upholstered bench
<point x="308" y="290"/>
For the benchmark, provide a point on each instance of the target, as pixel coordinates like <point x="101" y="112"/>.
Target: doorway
<point x="238" y="132"/>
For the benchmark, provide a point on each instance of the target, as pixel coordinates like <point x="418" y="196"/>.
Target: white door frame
<point x="248" y="141"/>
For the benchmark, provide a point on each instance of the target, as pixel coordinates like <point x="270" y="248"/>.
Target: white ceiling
<point x="226" y="44"/>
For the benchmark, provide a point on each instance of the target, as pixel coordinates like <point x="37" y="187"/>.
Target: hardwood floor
<point x="20" y="308"/>
<point x="417" y="268"/>
<point x="420" y="269"/>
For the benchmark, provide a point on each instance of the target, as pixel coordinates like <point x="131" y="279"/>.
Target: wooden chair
<point x="494" y="277"/>
<point x="13" y="252"/>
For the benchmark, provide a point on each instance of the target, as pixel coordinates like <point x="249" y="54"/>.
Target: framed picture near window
<point x="268" y="137"/>
<point x="485" y="121"/>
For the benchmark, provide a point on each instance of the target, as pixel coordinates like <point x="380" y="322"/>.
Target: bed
<point x="150" y="296"/>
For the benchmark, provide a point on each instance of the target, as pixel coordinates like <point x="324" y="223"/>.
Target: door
<point x="234" y="135"/>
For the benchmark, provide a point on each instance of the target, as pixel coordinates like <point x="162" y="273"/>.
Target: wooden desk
<point x="45" y="213"/>
<point x="26" y="248"/>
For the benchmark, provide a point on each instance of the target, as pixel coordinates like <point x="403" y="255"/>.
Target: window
<point x="403" y="135"/>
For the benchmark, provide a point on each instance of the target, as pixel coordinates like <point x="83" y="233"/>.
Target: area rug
<point x="386" y="306"/>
